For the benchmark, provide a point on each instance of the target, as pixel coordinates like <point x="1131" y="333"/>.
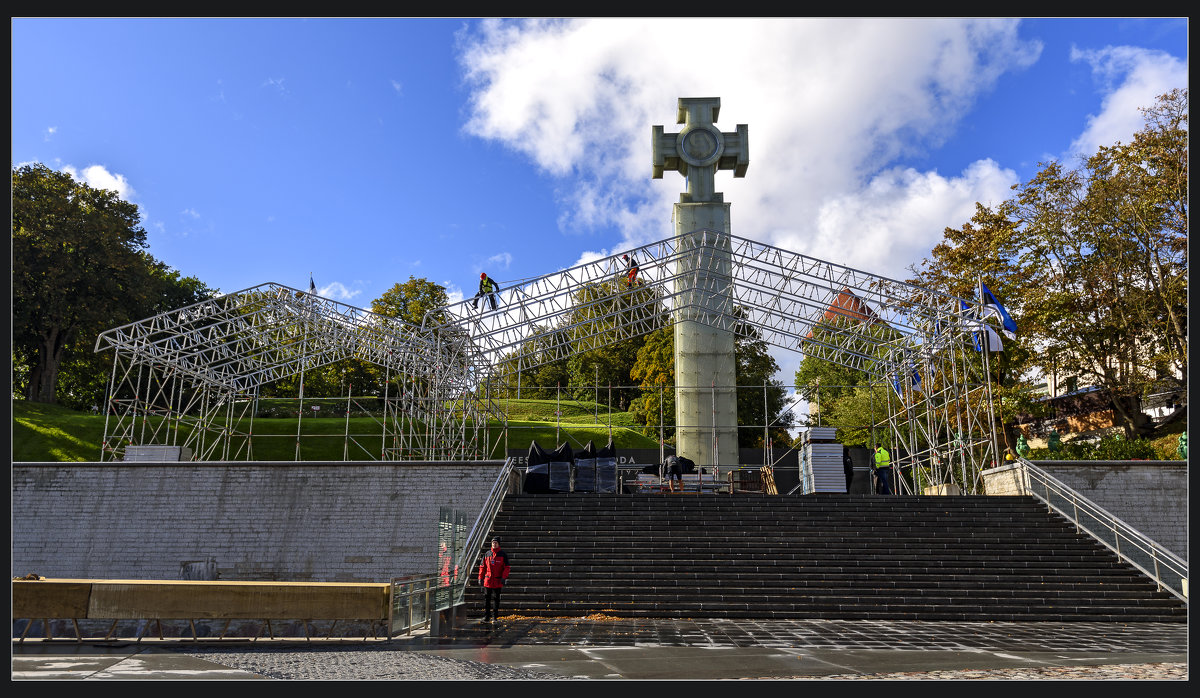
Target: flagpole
<point x="987" y="371"/>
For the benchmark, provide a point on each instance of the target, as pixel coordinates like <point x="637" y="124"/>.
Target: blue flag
<point x="987" y="334"/>
<point x="991" y="306"/>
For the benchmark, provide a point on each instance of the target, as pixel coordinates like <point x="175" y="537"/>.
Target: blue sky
<point x="368" y="150"/>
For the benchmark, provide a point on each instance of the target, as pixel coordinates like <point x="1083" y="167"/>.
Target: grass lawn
<point x="55" y="433"/>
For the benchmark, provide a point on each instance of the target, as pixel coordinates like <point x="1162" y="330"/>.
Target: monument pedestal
<point x="705" y="363"/>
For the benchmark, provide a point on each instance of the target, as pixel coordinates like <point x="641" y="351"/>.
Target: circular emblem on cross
<point x="700" y="146"/>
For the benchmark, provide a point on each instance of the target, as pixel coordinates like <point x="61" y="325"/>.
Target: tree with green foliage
<point x="547" y="370"/>
<point x="980" y="251"/>
<point x="841" y="392"/>
<point x="412" y="300"/>
<point x="761" y="398"/>
<point x="602" y="309"/>
<point x="79" y="268"/>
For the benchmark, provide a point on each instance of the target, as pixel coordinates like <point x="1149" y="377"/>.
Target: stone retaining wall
<point x="318" y="522"/>
<point x="1150" y="496"/>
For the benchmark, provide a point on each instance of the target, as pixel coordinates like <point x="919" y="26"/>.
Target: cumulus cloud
<point x="830" y="104"/>
<point x="899" y="216"/>
<point x="50" y="131"/>
<point x="1131" y="79"/>
<point x="97" y="177"/>
<point x="337" y="291"/>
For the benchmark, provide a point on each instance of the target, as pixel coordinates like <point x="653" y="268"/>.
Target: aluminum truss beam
<point x="202" y="366"/>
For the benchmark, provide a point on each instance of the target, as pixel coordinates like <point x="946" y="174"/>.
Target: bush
<point x="1112" y="447"/>
<point x="1118" y="448"/>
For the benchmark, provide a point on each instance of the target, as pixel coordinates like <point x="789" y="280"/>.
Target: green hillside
<point x="55" y="433"/>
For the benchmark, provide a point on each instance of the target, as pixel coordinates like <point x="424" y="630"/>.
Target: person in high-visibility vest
<point x="488" y="288"/>
<point x="883" y="470"/>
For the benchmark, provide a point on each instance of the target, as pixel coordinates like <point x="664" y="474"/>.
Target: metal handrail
<point x="1168" y="570"/>
<point x="472" y="548"/>
<point x="411" y="603"/>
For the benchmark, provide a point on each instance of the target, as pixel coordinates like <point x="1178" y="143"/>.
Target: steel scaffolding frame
<point x="202" y="367"/>
<point x="191" y="377"/>
<point x="917" y="341"/>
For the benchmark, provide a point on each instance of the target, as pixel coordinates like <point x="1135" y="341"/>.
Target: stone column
<point x="705" y="366"/>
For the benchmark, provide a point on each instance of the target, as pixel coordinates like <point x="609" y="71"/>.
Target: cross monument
<point x="705" y="379"/>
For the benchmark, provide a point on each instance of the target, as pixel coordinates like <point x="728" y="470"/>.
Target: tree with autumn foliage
<point x="1092" y="260"/>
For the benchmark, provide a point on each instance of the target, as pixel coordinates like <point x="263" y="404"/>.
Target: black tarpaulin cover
<point x="561" y="461"/>
<point x="537" y="473"/>
<point x="585" y="468"/>
<point x="606" y="468"/>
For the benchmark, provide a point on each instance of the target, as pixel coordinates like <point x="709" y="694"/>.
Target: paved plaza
<point x="518" y="648"/>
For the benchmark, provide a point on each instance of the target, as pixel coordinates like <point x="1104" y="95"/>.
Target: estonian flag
<point x="312" y="286"/>
<point x="991" y="306"/>
<point x="994" y="343"/>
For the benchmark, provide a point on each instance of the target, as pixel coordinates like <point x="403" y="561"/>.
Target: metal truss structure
<point x="918" y="343"/>
<point x="202" y="367"/>
<point x="192" y="377"/>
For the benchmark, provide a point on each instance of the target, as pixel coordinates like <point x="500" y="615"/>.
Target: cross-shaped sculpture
<point x="700" y="149"/>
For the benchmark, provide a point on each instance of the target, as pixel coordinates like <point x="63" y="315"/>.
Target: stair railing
<point x="473" y="547"/>
<point x="1168" y="570"/>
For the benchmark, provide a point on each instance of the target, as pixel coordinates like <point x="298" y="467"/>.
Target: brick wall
<point x="323" y="522"/>
<point x="1150" y="496"/>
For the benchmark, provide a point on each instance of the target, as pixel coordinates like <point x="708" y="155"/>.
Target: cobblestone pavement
<point x="1154" y="671"/>
<point x="1053" y="651"/>
<point x="358" y="663"/>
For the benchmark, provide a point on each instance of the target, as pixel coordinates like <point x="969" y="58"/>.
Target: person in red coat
<point x="493" y="571"/>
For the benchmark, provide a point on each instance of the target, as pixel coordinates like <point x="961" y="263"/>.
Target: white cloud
<point x="502" y="260"/>
<point x="897" y="218"/>
<point x="454" y="293"/>
<point x="50" y="131"/>
<point x="97" y="177"/>
<point x="397" y="87"/>
<point x="829" y="103"/>
<point x="190" y="213"/>
<point x="337" y="291"/>
<point x="1131" y="78"/>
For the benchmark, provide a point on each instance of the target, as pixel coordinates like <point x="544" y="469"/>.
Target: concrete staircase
<point x="833" y="556"/>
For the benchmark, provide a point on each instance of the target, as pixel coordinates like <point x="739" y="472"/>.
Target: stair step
<point x="818" y="556"/>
